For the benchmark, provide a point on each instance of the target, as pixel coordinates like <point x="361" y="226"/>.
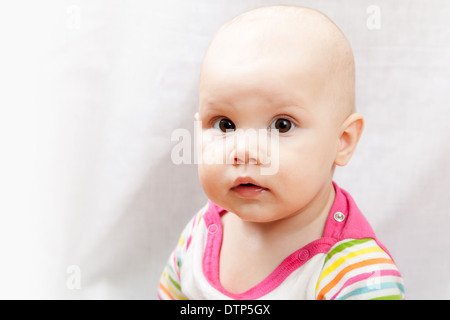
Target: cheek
<point x="205" y="174"/>
<point x="213" y="148"/>
<point x="211" y="157"/>
<point x="306" y="158"/>
<point x="211" y="180"/>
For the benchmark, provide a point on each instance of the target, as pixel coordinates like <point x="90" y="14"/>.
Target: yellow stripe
<point x="341" y="260"/>
<point x="181" y="241"/>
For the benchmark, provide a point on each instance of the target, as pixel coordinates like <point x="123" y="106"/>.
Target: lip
<point x="246" y="187"/>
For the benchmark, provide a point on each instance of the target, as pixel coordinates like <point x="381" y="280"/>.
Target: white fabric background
<point x="92" y="90"/>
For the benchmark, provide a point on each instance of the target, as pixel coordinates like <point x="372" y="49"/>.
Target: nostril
<point x="238" y="160"/>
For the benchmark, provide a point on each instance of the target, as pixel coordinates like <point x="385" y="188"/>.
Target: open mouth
<point x="247" y="188"/>
<point x="248" y="185"/>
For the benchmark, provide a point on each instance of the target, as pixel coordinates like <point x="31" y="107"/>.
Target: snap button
<point x="303" y="255"/>
<point x="339" y="216"/>
<point x="213" y="228"/>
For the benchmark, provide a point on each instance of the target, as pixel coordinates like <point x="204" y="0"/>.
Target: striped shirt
<point x="348" y="262"/>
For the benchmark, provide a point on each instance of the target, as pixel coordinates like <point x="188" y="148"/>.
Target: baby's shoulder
<point x="354" y="250"/>
<point x="359" y="269"/>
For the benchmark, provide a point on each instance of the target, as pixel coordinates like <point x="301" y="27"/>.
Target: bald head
<point x="299" y="39"/>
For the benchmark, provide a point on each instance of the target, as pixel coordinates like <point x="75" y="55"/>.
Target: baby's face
<point x="292" y="73"/>
<point x="282" y="93"/>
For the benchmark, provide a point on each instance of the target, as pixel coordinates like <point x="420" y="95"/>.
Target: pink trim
<point x="354" y="226"/>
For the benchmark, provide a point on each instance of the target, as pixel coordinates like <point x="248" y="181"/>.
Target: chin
<point x="254" y="212"/>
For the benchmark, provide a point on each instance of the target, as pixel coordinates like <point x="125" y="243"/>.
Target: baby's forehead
<point x="255" y="96"/>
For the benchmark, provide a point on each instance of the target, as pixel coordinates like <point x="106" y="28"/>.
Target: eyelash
<point x="293" y="123"/>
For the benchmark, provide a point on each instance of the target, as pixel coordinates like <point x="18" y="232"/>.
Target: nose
<point x="245" y="149"/>
<point x="245" y="158"/>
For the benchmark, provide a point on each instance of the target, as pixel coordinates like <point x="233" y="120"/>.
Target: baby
<point x="292" y="234"/>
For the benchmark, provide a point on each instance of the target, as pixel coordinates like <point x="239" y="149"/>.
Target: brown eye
<point x="224" y="124"/>
<point x="282" y="125"/>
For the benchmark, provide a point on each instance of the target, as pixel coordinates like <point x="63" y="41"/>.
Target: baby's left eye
<point x="282" y="125"/>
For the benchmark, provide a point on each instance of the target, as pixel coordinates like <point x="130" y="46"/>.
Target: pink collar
<point x="345" y="221"/>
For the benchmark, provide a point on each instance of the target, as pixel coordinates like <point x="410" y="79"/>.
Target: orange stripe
<point x="165" y="291"/>
<point x="347" y="269"/>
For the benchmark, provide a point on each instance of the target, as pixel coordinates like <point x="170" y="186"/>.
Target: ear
<point x="350" y="133"/>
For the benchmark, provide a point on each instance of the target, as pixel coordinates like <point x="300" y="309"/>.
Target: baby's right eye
<point x="224" y="124"/>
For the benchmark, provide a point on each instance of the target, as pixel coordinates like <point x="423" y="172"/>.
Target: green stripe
<point x="176" y="284"/>
<point x="344" y="246"/>
<point x="393" y="297"/>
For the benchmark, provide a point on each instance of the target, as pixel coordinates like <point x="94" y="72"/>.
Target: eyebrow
<point x="215" y="109"/>
<point x="293" y="106"/>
